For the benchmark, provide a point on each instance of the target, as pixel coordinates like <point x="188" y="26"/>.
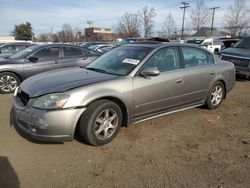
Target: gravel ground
<point x="193" y="148"/>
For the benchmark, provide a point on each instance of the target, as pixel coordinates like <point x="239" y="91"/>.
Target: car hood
<point x="4" y="61"/>
<point x="236" y="52"/>
<point x="57" y="81"/>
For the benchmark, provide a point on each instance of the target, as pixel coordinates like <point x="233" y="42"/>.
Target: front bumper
<point x="43" y="125"/>
<point x="242" y="71"/>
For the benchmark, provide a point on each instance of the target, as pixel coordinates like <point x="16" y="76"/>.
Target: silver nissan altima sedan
<point x="127" y="85"/>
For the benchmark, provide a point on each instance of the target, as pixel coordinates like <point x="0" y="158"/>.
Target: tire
<point x="8" y="82"/>
<point x="215" y="95"/>
<point x="100" y="123"/>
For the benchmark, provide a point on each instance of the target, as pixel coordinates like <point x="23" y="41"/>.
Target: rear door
<point x="48" y="59"/>
<point x="198" y="74"/>
<point x="74" y="57"/>
<point x="158" y="93"/>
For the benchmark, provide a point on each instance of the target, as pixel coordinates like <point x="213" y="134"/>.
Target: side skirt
<point x="165" y="113"/>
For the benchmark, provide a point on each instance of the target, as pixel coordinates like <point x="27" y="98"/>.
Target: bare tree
<point x="147" y="15"/>
<point x="169" y="27"/>
<point x="199" y="15"/>
<point x="237" y="17"/>
<point x="128" y="25"/>
<point x="44" y="37"/>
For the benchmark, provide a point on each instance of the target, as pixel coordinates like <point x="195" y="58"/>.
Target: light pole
<point x="212" y="26"/>
<point x="183" y="6"/>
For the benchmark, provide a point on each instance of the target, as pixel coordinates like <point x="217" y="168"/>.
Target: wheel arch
<point x="224" y="84"/>
<point x="120" y="103"/>
<point x="13" y="72"/>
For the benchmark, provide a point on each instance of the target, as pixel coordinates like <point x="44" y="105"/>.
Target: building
<point x="99" y="34"/>
<point x="7" y="39"/>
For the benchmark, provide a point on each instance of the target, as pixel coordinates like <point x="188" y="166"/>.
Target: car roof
<point x="159" y="44"/>
<point x="57" y="44"/>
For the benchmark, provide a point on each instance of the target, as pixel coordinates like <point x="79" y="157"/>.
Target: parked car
<point x="213" y="45"/>
<point x="195" y="41"/>
<point x="86" y="45"/>
<point x="239" y="55"/>
<point x="98" y="47"/>
<point x="9" y="49"/>
<point x="39" y="58"/>
<point x="127" y="85"/>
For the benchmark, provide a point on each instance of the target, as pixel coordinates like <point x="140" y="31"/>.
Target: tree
<point x="199" y="15"/>
<point x="44" y="37"/>
<point x="237" y="17"/>
<point x="169" y="27"/>
<point x="146" y="16"/>
<point x="128" y="25"/>
<point x="23" y="31"/>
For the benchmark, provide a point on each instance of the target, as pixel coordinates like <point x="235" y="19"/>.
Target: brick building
<point x="99" y="34"/>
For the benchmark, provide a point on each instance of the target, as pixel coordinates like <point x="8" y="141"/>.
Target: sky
<point x="47" y="14"/>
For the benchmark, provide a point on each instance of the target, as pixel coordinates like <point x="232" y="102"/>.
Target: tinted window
<point x="7" y="49"/>
<point x="165" y="59"/>
<point x="243" y="43"/>
<point x="71" y="51"/>
<point x="195" y="57"/>
<point x="47" y="53"/>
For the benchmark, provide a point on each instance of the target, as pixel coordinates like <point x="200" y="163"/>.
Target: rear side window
<point x="47" y="53"/>
<point x="71" y="52"/>
<point x="194" y="57"/>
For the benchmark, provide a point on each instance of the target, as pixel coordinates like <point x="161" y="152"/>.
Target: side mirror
<point x="33" y="59"/>
<point x="150" y="71"/>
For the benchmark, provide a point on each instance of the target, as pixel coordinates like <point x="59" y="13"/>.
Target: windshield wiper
<point x="97" y="70"/>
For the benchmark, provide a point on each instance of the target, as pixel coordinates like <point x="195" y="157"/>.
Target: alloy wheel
<point x="106" y="124"/>
<point x="8" y="83"/>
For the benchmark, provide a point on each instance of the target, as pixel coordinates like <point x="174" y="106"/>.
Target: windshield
<point x="243" y="43"/>
<point x="24" y="53"/>
<point x="120" y="61"/>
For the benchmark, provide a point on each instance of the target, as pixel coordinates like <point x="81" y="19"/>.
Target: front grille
<point x="24" y="97"/>
<point x="236" y="61"/>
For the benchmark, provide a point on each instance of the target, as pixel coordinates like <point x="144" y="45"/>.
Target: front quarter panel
<point x="120" y="89"/>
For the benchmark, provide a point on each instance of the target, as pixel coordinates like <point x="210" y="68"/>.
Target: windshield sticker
<point x="131" y="61"/>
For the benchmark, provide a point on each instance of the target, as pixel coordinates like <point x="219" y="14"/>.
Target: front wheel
<point x="215" y="95"/>
<point x="101" y="122"/>
<point x="8" y="82"/>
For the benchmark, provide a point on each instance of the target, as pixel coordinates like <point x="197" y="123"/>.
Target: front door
<point x="48" y="59"/>
<point x="162" y="92"/>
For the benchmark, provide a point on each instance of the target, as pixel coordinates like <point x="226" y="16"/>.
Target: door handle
<point x="179" y="81"/>
<point x="212" y="73"/>
<point x="57" y="62"/>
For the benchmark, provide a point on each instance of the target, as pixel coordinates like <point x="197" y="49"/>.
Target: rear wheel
<point x="8" y="82"/>
<point x="101" y="122"/>
<point x="215" y="95"/>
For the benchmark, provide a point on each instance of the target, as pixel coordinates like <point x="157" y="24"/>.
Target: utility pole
<point x="212" y="26"/>
<point x="183" y="6"/>
<point x="51" y="30"/>
<point x="90" y="22"/>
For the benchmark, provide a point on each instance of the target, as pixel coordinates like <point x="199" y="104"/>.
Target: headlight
<point x="51" y="101"/>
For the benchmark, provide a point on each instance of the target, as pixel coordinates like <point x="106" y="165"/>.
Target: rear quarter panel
<point x="226" y="72"/>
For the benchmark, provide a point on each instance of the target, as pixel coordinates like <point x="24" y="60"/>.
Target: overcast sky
<point x="44" y="14"/>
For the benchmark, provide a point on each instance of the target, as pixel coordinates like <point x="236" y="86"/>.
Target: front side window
<point x="48" y="53"/>
<point x="194" y="57"/>
<point x="71" y="52"/>
<point x="165" y="59"/>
